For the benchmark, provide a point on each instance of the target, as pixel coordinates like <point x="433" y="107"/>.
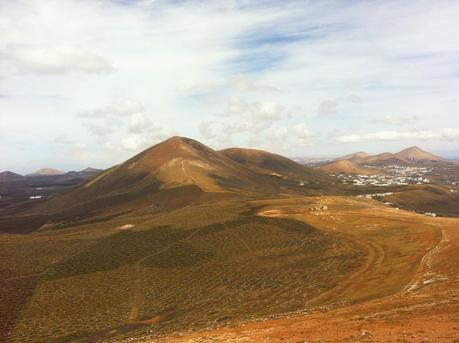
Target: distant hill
<point x="171" y="173"/>
<point x="181" y="171"/>
<point x="427" y="198"/>
<point x="349" y="167"/>
<point x="8" y="176"/>
<point x="384" y="159"/>
<point x="355" y="156"/>
<point x="87" y="172"/>
<point x="91" y="170"/>
<point x="416" y="154"/>
<point x="410" y="156"/>
<point x="46" y="172"/>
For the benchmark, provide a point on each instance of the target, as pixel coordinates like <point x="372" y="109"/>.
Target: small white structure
<point x="431" y="214"/>
<point x="34" y="197"/>
<point x="126" y="227"/>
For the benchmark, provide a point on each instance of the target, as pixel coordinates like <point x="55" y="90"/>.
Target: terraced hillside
<point x="97" y="283"/>
<point x="406" y="291"/>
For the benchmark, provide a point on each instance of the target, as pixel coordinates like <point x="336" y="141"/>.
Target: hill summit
<point x="179" y="171"/>
<point x="349" y="167"/>
<point x="408" y="156"/>
<point x="46" y="172"/>
<point x="416" y="154"/>
<point x="10" y="176"/>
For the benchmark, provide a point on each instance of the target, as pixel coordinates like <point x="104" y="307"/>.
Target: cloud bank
<point x="297" y="78"/>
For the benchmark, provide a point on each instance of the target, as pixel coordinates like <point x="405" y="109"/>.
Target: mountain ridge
<point x="408" y="156"/>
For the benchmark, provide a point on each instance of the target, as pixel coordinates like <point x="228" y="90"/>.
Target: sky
<point x="94" y="82"/>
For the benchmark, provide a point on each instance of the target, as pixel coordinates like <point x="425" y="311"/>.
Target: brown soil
<point x="424" y="308"/>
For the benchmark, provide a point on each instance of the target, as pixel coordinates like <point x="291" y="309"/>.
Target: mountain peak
<point x="9" y="176"/>
<point x="413" y="148"/>
<point x="349" y="167"/>
<point x="90" y="170"/>
<point x="415" y="154"/>
<point x="47" y="171"/>
<point x="355" y="156"/>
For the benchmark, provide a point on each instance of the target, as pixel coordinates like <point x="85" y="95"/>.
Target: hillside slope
<point x="158" y="173"/>
<point x="272" y="164"/>
<point x="46" y="172"/>
<point x="416" y="154"/>
<point x="9" y="176"/>
<point x="357" y="156"/>
<point x="349" y="167"/>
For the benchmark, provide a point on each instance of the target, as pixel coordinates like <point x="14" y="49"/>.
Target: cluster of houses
<point x="375" y="195"/>
<point x="395" y="169"/>
<point x="382" y="180"/>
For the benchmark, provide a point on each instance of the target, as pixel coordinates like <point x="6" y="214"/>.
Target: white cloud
<point x="398" y="120"/>
<point x="302" y="132"/>
<point x="243" y="117"/>
<point x="119" y="108"/>
<point x="235" y="73"/>
<point x="327" y="108"/>
<point x="53" y="60"/>
<point x="125" y="121"/>
<point x="442" y="134"/>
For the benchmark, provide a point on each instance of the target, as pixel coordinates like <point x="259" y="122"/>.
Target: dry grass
<point x="211" y="265"/>
<point x="164" y="278"/>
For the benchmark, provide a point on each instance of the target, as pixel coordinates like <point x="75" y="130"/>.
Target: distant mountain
<point x="416" y="154"/>
<point x="349" y="167"/>
<point x="46" y="172"/>
<point x="176" y="171"/>
<point x="180" y="171"/>
<point x="311" y="160"/>
<point x="384" y="159"/>
<point x="8" y="176"/>
<point x="355" y="156"/>
<point x="87" y="172"/>
<point x="91" y="170"/>
<point x="410" y="156"/>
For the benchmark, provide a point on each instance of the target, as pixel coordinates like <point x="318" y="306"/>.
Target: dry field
<point x="407" y="291"/>
<point x="315" y="269"/>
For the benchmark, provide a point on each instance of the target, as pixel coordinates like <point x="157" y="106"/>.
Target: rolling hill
<point x="8" y="176"/>
<point x="436" y="199"/>
<point x="46" y="172"/>
<point x="178" y="172"/>
<point x="407" y="157"/>
<point x="416" y="155"/>
<point x="272" y="164"/>
<point x="357" y="156"/>
<point x="349" y="167"/>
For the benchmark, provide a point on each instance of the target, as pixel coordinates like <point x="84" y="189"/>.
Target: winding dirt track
<point x="426" y="261"/>
<point x="424" y="309"/>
